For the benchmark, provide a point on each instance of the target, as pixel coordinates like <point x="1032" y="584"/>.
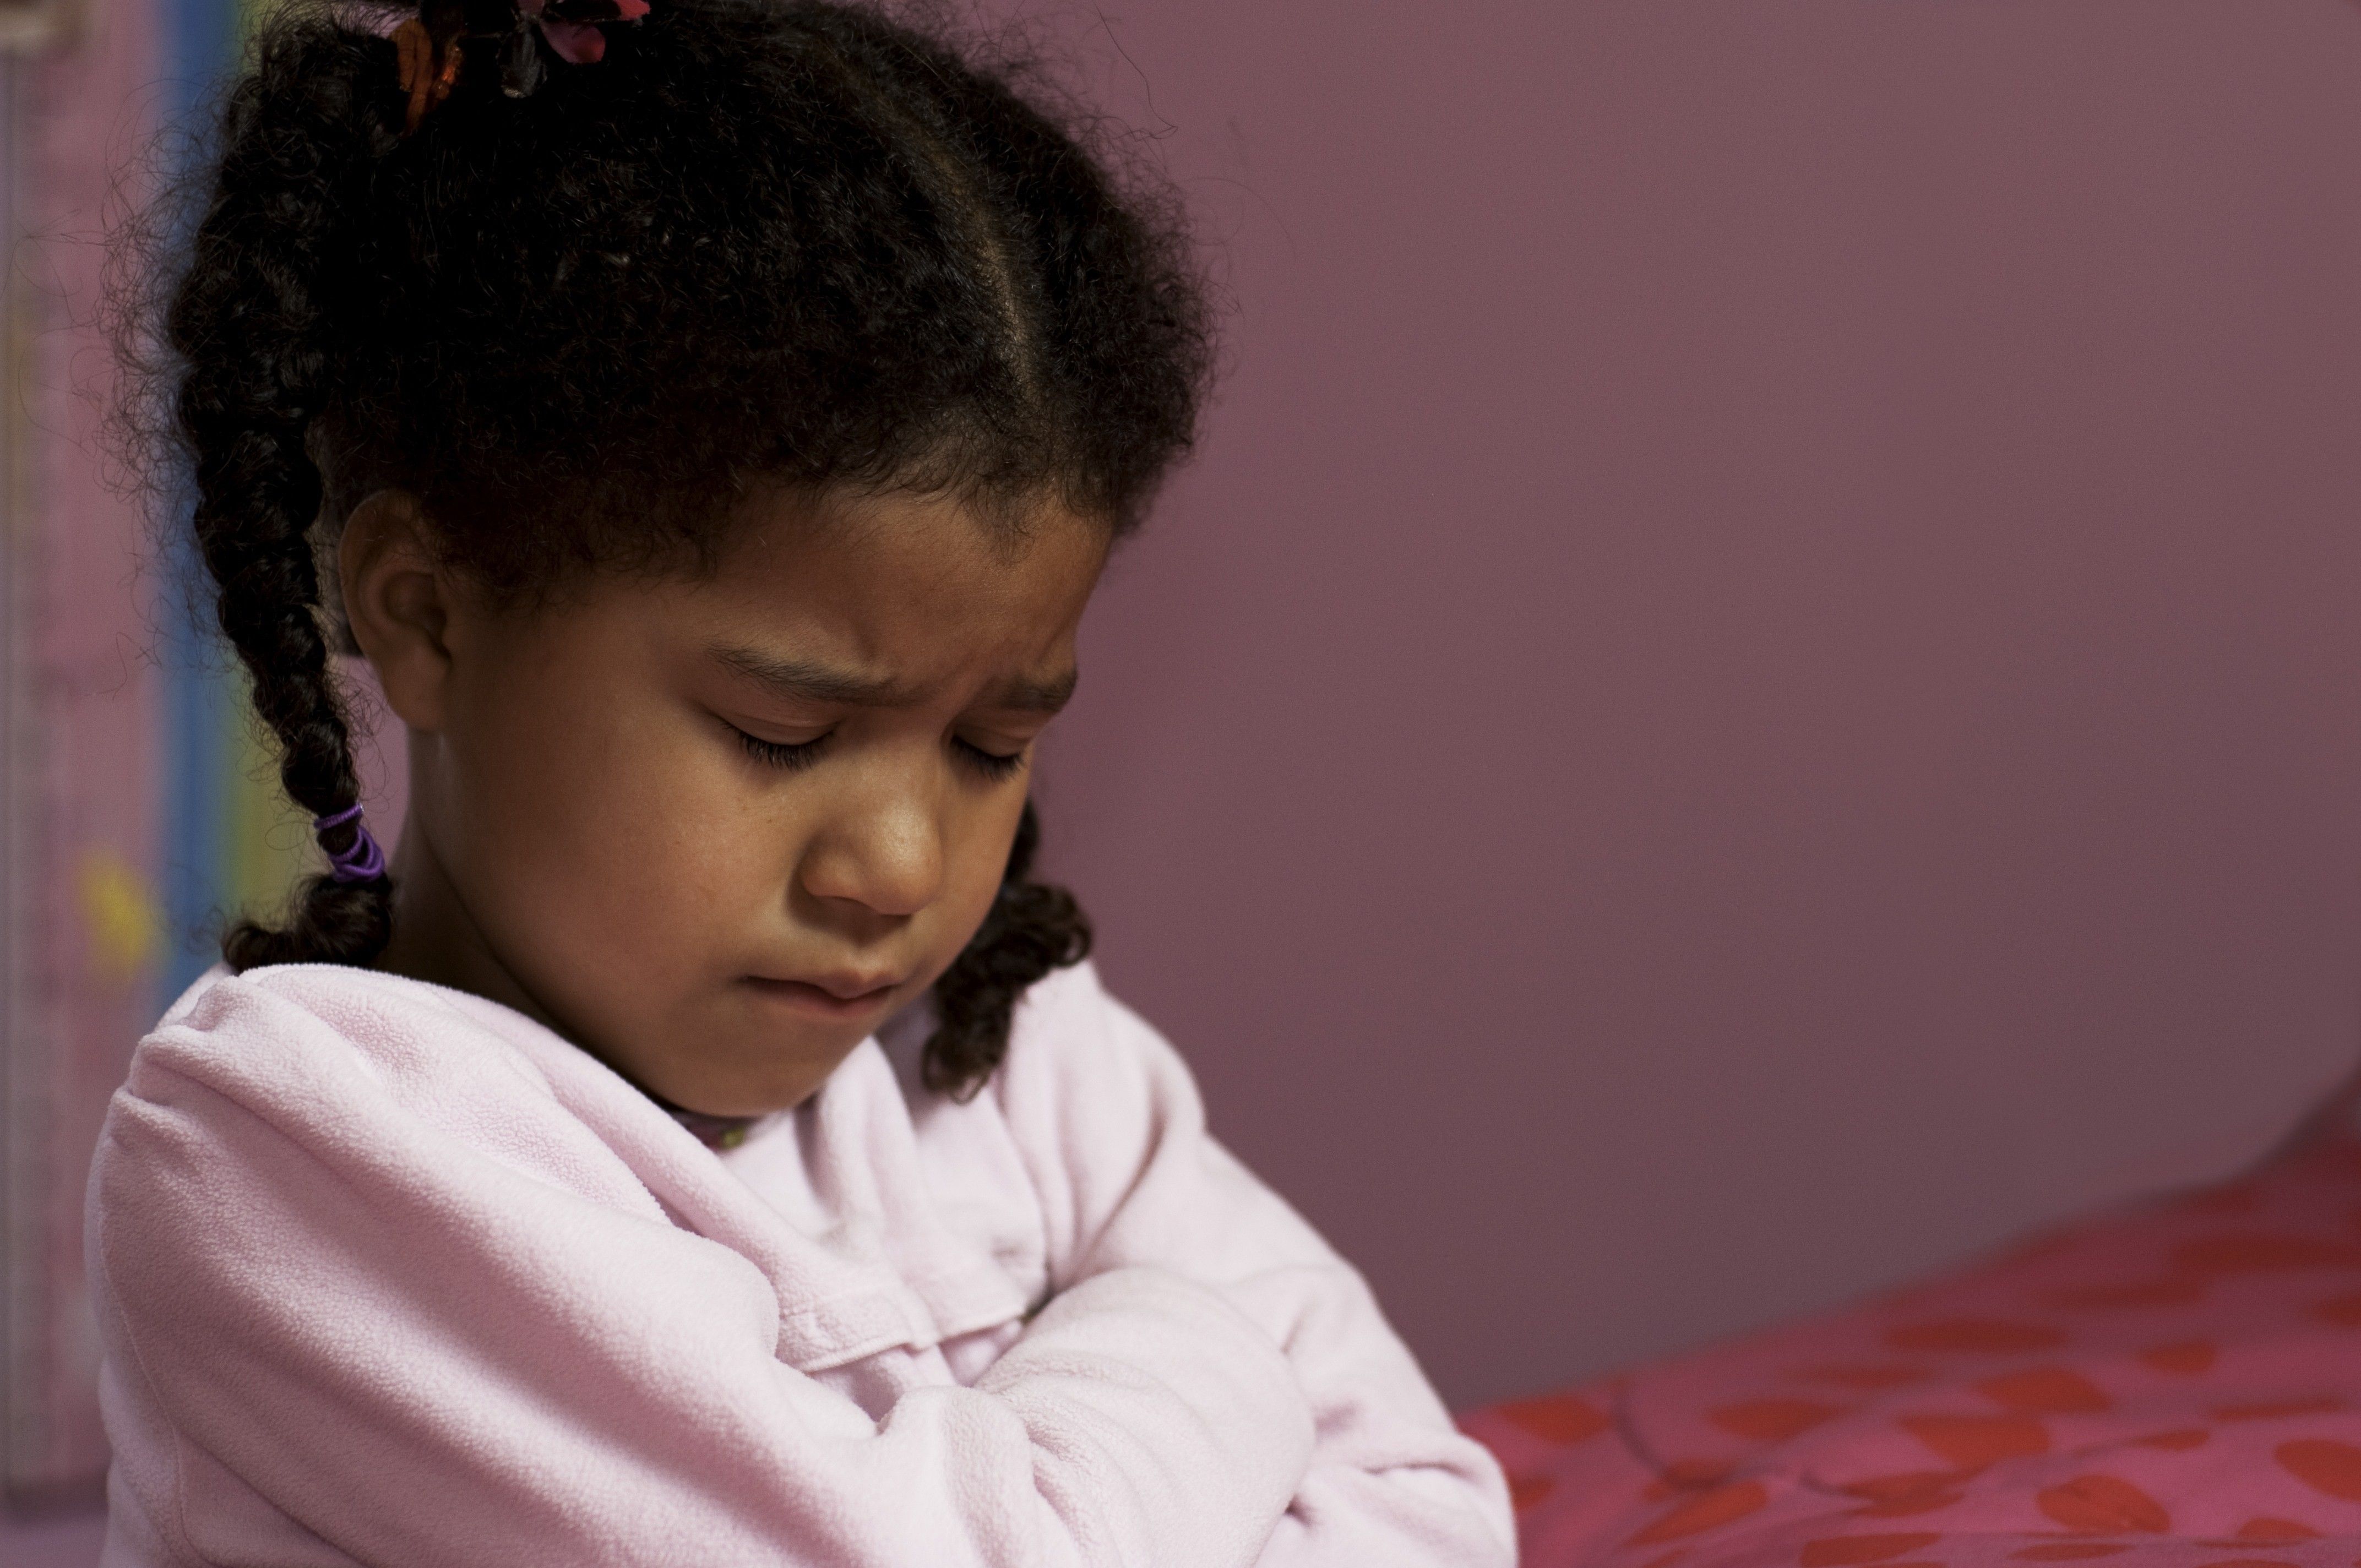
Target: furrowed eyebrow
<point x="803" y="681"/>
<point x="1038" y="696"/>
<point x="807" y="682"/>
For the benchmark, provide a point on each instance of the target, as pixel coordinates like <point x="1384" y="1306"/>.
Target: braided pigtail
<point x="1033" y="928"/>
<point x="250" y="322"/>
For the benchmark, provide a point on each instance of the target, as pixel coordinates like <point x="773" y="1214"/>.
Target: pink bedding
<point x="2177" y="1386"/>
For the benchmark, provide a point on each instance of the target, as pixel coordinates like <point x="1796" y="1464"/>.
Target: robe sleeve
<point x="1109" y="1124"/>
<point x="348" y="1322"/>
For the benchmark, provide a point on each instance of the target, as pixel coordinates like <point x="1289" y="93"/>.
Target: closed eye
<point x="992" y="765"/>
<point x="793" y="756"/>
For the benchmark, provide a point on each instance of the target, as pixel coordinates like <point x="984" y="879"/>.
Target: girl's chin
<point x="764" y="1054"/>
<point x="725" y="1095"/>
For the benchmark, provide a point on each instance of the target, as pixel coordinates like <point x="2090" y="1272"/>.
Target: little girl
<point x="700" y="1140"/>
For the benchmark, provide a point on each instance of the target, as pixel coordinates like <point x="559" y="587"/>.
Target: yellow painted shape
<point x="122" y="917"/>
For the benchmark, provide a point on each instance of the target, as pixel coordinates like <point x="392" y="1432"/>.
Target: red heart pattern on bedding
<point x="2173" y="1387"/>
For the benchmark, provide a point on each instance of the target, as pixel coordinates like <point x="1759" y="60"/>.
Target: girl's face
<point x="716" y="829"/>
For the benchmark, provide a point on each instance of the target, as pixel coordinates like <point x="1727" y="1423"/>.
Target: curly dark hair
<point x="761" y="241"/>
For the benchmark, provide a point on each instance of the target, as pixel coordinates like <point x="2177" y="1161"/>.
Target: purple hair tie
<point x="360" y="861"/>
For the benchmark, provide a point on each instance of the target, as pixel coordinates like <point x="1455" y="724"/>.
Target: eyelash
<point x="991" y="764"/>
<point x="797" y="757"/>
<point x="778" y="754"/>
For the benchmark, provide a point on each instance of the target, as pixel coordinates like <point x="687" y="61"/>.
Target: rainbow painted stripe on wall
<point x="232" y="839"/>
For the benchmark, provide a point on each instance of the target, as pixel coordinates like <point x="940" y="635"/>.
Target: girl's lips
<point x="823" y="999"/>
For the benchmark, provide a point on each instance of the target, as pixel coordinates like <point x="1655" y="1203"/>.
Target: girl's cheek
<point x="605" y="814"/>
<point x="982" y="857"/>
<point x="694" y="826"/>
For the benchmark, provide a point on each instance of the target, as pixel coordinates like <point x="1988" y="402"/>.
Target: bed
<point x="2175" y="1384"/>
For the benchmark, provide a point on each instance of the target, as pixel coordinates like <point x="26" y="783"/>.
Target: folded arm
<point x="1115" y="1132"/>
<point x="356" y="1332"/>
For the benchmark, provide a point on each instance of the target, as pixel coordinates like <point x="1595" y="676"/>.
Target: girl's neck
<point x="437" y="940"/>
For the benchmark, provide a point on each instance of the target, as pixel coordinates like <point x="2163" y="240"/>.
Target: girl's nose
<point x="888" y="858"/>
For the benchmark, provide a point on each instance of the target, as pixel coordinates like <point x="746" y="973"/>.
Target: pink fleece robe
<point x="389" y="1274"/>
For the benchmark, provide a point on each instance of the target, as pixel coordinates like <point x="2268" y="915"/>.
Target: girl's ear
<point x="399" y="602"/>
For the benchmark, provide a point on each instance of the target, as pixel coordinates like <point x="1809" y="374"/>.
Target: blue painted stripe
<point x="202" y="699"/>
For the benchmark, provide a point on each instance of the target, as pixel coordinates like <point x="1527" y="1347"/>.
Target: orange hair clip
<point x="428" y="69"/>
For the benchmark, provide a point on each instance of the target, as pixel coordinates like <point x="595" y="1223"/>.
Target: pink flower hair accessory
<point x="572" y="27"/>
<point x="430" y="47"/>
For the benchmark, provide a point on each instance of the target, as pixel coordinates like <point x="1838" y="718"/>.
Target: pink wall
<point x="79" y="765"/>
<point x="1759" y="685"/>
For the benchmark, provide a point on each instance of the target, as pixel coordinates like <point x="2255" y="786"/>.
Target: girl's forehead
<point x="901" y="585"/>
<point x="907" y="551"/>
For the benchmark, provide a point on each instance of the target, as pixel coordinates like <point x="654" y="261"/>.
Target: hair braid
<point x="251" y="322"/>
